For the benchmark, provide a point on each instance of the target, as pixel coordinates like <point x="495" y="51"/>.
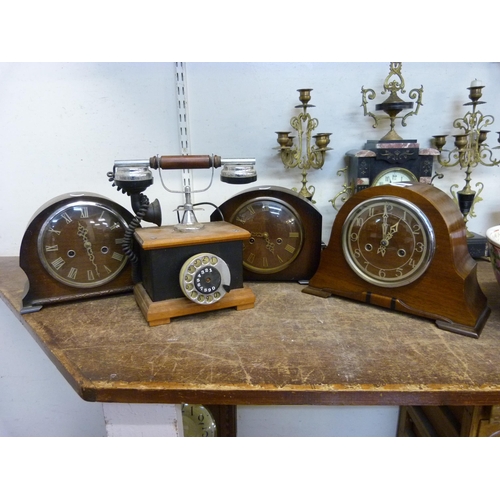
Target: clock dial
<point x="198" y="421"/>
<point x="393" y="175"/>
<point x="276" y="234"/>
<point x="388" y="241"/>
<point x="80" y="244"/>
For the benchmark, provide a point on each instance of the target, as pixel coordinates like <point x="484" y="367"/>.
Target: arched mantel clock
<point x="403" y="247"/>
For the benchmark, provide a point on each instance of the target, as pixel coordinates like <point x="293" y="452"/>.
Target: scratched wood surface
<point x="291" y="348"/>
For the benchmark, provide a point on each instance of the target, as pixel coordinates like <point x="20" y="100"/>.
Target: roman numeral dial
<point x="80" y="244"/>
<point x="277" y="235"/>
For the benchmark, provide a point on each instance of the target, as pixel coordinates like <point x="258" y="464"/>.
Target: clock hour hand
<point x="386" y="237"/>
<point x="392" y="231"/>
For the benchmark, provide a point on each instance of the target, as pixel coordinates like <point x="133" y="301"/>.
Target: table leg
<point x="142" y="420"/>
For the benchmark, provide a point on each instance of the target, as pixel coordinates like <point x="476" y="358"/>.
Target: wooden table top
<point x="291" y="348"/>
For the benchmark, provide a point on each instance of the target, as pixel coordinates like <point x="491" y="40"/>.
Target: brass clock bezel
<point x="411" y="176"/>
<point x="43" y="254"/>
<point x="403" y="279"/>
<point x="297" y="221"/>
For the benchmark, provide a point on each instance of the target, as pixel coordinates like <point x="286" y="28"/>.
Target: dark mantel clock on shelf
<point x="387" y="162"/>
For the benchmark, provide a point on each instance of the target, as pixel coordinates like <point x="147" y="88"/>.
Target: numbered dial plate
<point x="80" y="244"/>
<point x="198" y="421"/>
<point x="393" y="175"/>
<point x="205" y="278"/>
<point x="276" y="234"/>
<point x="388" y="241"/>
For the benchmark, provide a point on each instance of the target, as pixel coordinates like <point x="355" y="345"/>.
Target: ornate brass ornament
<point x="295" y="155"/>
<point x="378" y="158"/>
<point x="393" y="105"/>
<point x="347" y="188"/>
<point x="470" y="151"/>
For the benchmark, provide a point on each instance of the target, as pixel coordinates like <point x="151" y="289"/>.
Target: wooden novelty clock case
<point x="448" y="292"/>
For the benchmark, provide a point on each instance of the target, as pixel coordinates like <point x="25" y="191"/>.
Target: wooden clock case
<point x="448" y="292"/>
<point x="41" y="288"/>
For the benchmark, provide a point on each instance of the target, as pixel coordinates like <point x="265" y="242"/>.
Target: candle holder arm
<point x="369" y="95"/>
<point x="414" y="94"/>
<point x="486" y="156"/>
<point x="452" y="158"/>
<point x="347" y="189"/>
<point x="290" y="157"/>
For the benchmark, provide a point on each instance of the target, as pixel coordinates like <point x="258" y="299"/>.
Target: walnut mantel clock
<point x="403" y="247"/>
<point x="72" y="249"/>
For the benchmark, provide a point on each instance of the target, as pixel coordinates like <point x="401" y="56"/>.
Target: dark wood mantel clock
<point x="403" y="247"/>
<point x="72" y="250"/>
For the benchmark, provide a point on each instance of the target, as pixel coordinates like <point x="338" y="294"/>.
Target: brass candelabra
<point x="393" y="105"/>
<point x="470" y="151"/>
<point x="296" y="155"/>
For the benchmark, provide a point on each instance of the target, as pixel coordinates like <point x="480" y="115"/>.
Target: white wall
<point x="62" y="125"/>
<point x="35" y="399"/>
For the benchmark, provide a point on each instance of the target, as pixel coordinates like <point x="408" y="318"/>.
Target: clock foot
<point x="396" y="304"/>
<point x="468" y="331"/>
<point x="30" y="309"/>
<point x="318" y="292"/>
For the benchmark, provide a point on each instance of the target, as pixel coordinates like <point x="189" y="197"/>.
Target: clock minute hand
<point x="82" y="232"/>
<point x="269" y="243"/>
<point x="385" y="226"/>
